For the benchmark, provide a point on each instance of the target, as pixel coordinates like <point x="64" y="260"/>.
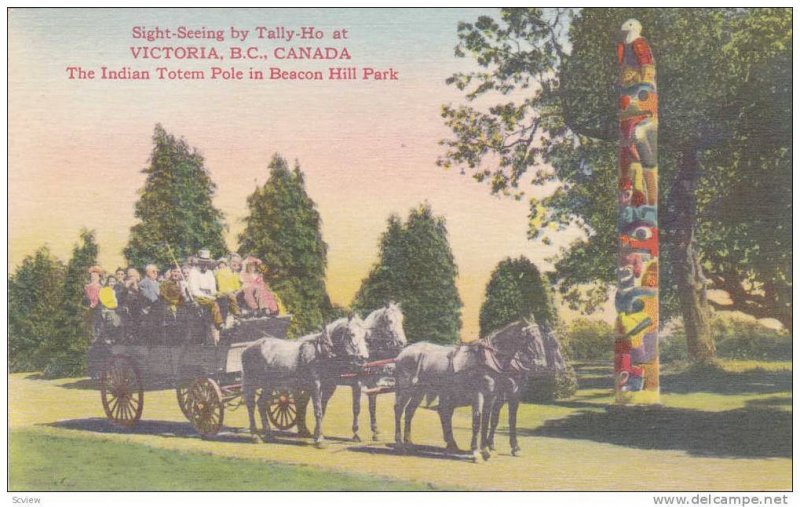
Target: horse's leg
<point x="413" y="403"/>
<point x="263" y="398"/>
<point x="495" y="420"/>
<point x="301" y="403"/>
<point x="445" y="410"/>
<point x="356" y="409"/>
<point x="316" y="399"/>
<point x="513" y="405"/>
<point x="249" y="397"/>
<point x="488" y="407"/>
<point x="477" y="410"/>
<point x="327" y="391"/>
<point x="401" y="399"/>
<point x="373" y="419"/>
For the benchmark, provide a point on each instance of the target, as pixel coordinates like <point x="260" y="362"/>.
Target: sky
<point x="367" y="148"/>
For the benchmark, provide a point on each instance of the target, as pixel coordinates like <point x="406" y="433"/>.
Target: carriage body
<point x="175" y="353"/>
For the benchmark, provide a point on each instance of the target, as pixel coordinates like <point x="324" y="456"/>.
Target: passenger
<point x="108" y="301"/>
<point x="119" y="288"/>
<point x="228" y="285"/>
<point x="172" y="292"/>
<point x="186" y="269"/>
<point x="134" y="303"/>
<point x="149" y="287"/>
<point x="257" y="295"/>
<point x="92" y="289"/>
<point x="203" y="289"/>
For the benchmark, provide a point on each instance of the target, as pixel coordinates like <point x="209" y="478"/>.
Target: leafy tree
<point x="721" y="73"/>
<point x="35" y="296"/>
<point x="175" y="206"/>
<point x="283" y="230"/>
<point x="416" y="268"/>
<point x="515" y="291"/>
<point x="75" y="324"/>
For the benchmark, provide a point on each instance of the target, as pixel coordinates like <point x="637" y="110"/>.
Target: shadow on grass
<point x="743" y="433"/>
<point x="417" y="451"/>
<point x="173" y="429"/>
<point x="716" y="380"/>
<point x="697" y="379"/>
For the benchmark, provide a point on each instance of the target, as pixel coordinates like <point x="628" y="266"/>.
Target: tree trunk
<point x="681" y="218"/>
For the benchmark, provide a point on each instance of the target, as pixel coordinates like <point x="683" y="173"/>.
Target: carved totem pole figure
<point x="636" y="345"/>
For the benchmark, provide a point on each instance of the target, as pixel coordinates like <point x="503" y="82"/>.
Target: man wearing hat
<point x="203" y="288"/>
<point x="228" y="284"/>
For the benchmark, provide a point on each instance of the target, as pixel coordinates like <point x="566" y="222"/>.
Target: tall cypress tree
<point x="516" y="290"/>
<point x="417" y="269"/>
<point x="175" y="206"/>
<point x="283" y="229"/>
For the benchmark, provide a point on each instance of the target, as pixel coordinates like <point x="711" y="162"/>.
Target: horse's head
<point x="385" y="334"/>
<point x="349" y="339"/>
<point x="518" y="345"/>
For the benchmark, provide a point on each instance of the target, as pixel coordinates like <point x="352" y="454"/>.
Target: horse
<point x="464" y="374"/>
<point x="385" y="339"/>
<point x="543" y="354"/>
<point x="456" y="374"/>
<point x="311" y="362"/>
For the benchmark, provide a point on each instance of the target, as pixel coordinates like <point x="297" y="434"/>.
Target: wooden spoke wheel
<point x="182" y="393"/>
<point x="206" y="410"/>
<point x="282" y="409"/>
<point x="121" y="391"/>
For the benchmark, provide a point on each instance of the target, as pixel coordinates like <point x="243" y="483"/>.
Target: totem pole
<point x="636" y="343"/>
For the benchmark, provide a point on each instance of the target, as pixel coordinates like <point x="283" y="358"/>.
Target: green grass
<point x="43" y="462"/>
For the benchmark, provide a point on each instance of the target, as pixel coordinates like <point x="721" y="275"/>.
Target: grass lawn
<point x="722" y="427"/>
<point x="101" y="465"/>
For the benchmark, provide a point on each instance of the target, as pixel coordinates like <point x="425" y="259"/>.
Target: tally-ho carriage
<point x="177" y="352"/>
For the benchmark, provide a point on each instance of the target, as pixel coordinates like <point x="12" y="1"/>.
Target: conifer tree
<point x="516" y="290"/>
<point x="417" y="269"/>
<point x="175" y="206"/>
<point x="35" y="295"/>
<point x="283" y="230"/>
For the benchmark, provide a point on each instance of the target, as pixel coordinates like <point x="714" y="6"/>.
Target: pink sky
<point x="368" y="149"/>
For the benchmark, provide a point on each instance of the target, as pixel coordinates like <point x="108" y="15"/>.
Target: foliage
<point x="546" y="387"/>
<point x="283" y="230"/>
<point x="49" y="322"/>
<point x="516" y="290"/>
<point x="175" y="206"/>
<point x="416" y="268"/>
<point x="590" y="339"/>
<point x="75" y="326"/>
<point x="735" y="337"/>
<point x="724" y="77"/>
<point x="35" y="298"/>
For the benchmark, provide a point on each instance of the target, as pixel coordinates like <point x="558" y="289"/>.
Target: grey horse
<point x="542" y="354"/>
<point x="310" y="363"/>
<point x="457" y="375"/>
<point x="465" y="374"/>
<point x="385" y="339"/>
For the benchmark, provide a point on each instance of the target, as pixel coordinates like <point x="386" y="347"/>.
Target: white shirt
<point x="202" y="284"/>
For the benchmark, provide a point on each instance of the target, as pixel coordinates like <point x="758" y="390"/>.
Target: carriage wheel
<point x="282" y="409"/>
<point x="182" y="393"/>
<point x="206" y="411"/>
<point x="121" y="391"/>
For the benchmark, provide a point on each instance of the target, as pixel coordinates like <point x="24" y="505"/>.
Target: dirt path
<point x="549" y="463"/>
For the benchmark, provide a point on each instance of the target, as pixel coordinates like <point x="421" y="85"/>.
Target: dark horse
<point x="461" y="374"/>
<point x="310" y="363"/>
<point x="385" y="339"/>
<point x="511" y="372"/>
